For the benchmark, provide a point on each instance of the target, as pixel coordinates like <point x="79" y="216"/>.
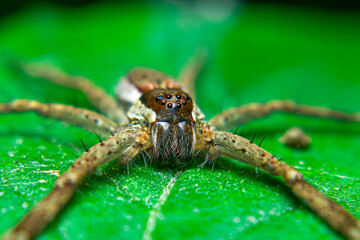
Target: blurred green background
<point x="258" y="51"/>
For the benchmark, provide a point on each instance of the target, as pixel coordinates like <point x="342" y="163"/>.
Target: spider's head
<point x="172" y="129"/>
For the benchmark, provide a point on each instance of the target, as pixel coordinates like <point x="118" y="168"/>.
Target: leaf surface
<point x="257" y="53"/>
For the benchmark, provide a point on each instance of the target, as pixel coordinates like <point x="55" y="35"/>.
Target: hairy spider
<point x="155" y="115"/>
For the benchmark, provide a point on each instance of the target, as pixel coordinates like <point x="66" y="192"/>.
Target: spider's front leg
<point x="124" y="145"/>
<point x="234" y="116"/>
<point x="241" y="149"/>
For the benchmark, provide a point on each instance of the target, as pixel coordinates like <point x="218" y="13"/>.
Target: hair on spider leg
<point x="200" y="150"/>
<point x="279" y="157"/>
<point x="261" y="141"/>
<point x="206" y="158"/>
<point x="213" y="166"/>
<point x="86" y="149"/>
<point x="253" y="137"/>
<point x="144" y="150"/>
<point x="133" y="162"/>
<point x="147" y="154"/>
<point x="108" y="127"/>
<point x="128" y="168"/>
<point x="129" y="164"/>
<point x="97" y="135"/>
<point x="237" y="128"/>
<point x="144" y="158"/>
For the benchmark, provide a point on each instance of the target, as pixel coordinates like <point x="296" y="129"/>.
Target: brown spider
<point x="164" y="122"/>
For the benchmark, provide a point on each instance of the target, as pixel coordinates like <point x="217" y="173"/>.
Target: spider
<point x="156" y="116"/>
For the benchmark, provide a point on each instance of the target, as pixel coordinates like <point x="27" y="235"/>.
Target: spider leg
<point x="207" y="158"/>
<point x="84" y="118"/>
<point x="190" y="70"/>
<point x="125" y="145"/>
<point x="105" y="103"/>
<point x="234" y="116"/>
<point x="241" y="149"/>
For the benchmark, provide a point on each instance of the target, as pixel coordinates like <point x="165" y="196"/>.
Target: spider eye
<point x="169" y="105"/>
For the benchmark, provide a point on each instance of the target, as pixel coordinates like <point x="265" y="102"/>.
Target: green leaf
<point x="257" y="53"/>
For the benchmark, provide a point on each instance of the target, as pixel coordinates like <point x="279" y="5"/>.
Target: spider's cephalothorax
<point x="158" y="102"/>
<point x="172" y="133"/>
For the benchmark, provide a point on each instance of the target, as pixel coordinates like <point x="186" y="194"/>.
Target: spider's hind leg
<point x="104" y="102"/>
<point x="191" y="70"/>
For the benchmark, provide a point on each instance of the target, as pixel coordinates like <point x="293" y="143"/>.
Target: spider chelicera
<point x="156" y="116"/>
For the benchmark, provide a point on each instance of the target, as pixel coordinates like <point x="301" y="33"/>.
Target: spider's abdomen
<point x="173" y="133"/>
